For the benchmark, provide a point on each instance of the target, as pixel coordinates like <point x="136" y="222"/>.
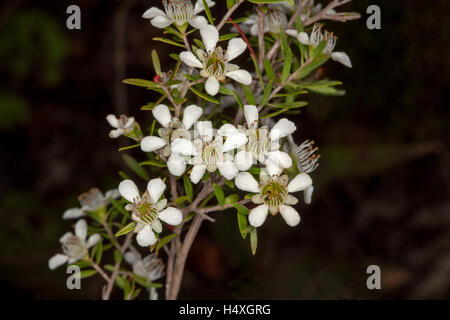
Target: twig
<point x="228" y="14"/>
<point x="220" y="208"/>
<point x="99" y="270"/>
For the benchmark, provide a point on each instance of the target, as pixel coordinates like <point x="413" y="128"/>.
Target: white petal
<point x="112" y="194"/>
<point x="258" y="215"/>
<point x="299" y="183"/>
<point x="280" y="158"/>
<point x="243" y="160"/>
<point x="241" y="76"/>
<point x="130" y="122"/>
<point x="191" y="60"/>
<point x="204" y="128"/>
<point x="81" y="229"/>
<point x="251" y="114"/>
<point x="281" y="129"/>
<point x="199" y="5"/>
<point x="273" y="169"/>
<point x="236" y="47"/>
<point x="57" y="260"/>
<point x="153" y="12"/>
<point x="342" y="57"/>
<point x="307" y="194"/>
<point x="152" y="143"/>
<point x="303" y="38"/>
<point x="183" y="147"/>
<point x="191" y="114"/>
<point x="292" y="33"/>
<point x="128" y="190"/>
<point x="146" y="237"/>
<point x="234" y="141"/>
<point x="160" y="22"/>
<point x="172" y="216"/>
<point x="198" y="22"/>
<point x="176" y="164"/>
<point x="162" y="114"/>
<point x="290" y="215"/>
<point x="246" y="182"/>
<point x="131" y="257"/>
<point x="210" y="37"/>
<point x="228" y="170"/>
<point x="112" y="120"/>
<point x="93" y="239"/>
<point x="157" y="226"/>
<point x="227" y="129"/>
<point x="65" y="237"/>
<point x="212" y="86"/>
<point x="156" y="188"/>
<point x="197" y="173"/>
<point x="73" y="213"/>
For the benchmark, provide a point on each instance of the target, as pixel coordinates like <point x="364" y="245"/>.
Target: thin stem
<point x="99" y="270"/>
<point x="228" y="14"/>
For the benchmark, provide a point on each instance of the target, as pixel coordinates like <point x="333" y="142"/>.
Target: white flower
<point x="262" y="144"/>
<point x="151" y="268"/>
<point x="307" y="161"/>
<point x="274" y="19"/>
<point x="272" y="195"/>
<point x="316" y="38"/>
<point x="214" y="63"/>
<point x="179" y="12"/>
<point x="92" y="200"/>
<point x="172" y="129"/>
<point x="123" y="125"/>
<point x="74" y="246"/>
<point x="210" y="153"/>
<point x="148" y="210"/>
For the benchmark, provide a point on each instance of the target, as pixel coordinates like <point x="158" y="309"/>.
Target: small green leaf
<point x="180" y="200"/>
<point x="156" y="64"/>
<point x="153" y="163"/>
<point x="117" y="256"/>
<point x="287" y="63"/>
<point x="220" y="196"/>
<point x="127" y="229"/>
<point x="130" y="147"/>
<point x="232" y="198"/>
<point x="208" y="12"/>
<point x="133" y="164"/>
<point x="204" y="95"/>
<point x="269" y="70"/>
<point x="87" y="273"/>
<point x="165" y="240"/>
<point x="254" y="240"/>
<point x="242" y="210"/>
<point x="188" y="188"/>
<point x="141" y="83"/>
<point x="242" y="224"/>
<point x="168" y="41"/>
<point x="118" y="205"/>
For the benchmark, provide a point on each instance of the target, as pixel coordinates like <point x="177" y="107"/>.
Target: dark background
<point x="382" y="190"/>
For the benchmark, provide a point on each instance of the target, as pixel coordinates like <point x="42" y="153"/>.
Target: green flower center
<point x="274" y="194"/>
<point x="147" y="213"/>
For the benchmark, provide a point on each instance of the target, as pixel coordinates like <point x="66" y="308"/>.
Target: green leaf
<point x="289" y="105"/>
<point x="143" y="282"/>
<point x="254" y="240"/>
<point x="127" y="229"/>
<point x="156" y="64"/>
<point x="87" y="273"/>
<point x="266" y="94"/>
<point x="117" y="256"/>
<point x="204" y="95"/>
<point x="130" y="147"/>
<point x="133" y="164"/>
<point x="220" y="196"/>
<point x="153" y="163"/>
<point x="269" y="71"/>
<point x="307" y="69"/>
<point x="242" y="224"/>
<point x="284" y="42"/>
<point x="98" y="251"/>
<point x="271" y="115"/>
<point x="231" y="198"/>
<point x="180" y="200"/>
<point x="258" y="71"/>
<point x="188" y="188"/>
<point x="249" y="95"/>
<point x="141" y="83"/>
<point x="242" y="210"/>
<point x="165" y="240"/>
<point x="318" y="50"/>
<point x="118" y="205"/>
<point x="228" y="36"/>
<point x="208" y="12"/>
<point x="316" y="84"/>
<point x="168" y="41"/>
<point x="287" y="63"/>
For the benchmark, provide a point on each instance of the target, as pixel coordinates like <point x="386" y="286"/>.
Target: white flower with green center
<point x="209" y="153"/>
<point x="172" y="129"/>
<point x="148" y="210"/>
<point x="92" y="200"/>
<point x="307" y="161"/>
<point x="178" y="12"/>
<point x="272" y="195"/>
<point x="151" y="268"/>
<point x="74" y="246"/>
<point x="123" y="125"/>
<point x="316" y="38"/>
<point x="262" y="144"/>
<point x="214" y="62"/>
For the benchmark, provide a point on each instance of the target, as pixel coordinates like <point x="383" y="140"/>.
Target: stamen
<point x="307" y="160"/>
<point x="179" y="11"/>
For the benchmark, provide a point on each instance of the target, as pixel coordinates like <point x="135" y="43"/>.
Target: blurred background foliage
<point x="382" y="190"/>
